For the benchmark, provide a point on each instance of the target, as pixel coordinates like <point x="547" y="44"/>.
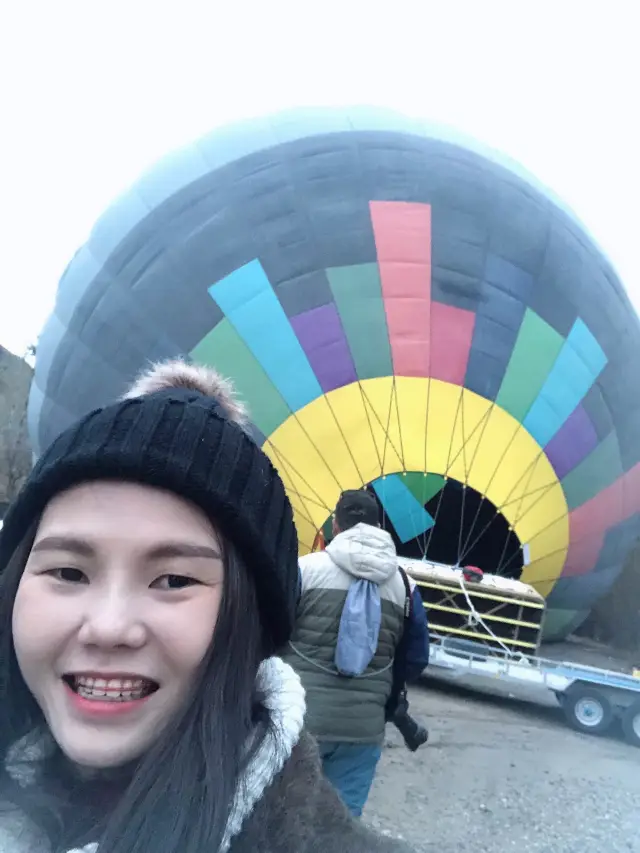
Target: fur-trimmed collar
<point x="283" y="803"/>
<point x="285" y="702"/>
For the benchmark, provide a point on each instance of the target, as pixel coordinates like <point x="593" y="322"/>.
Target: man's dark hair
<point x="356" y="507"/>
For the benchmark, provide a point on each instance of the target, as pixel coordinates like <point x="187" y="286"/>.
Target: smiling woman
<point x="128" y="615"/>
<point x="148" y="574"/>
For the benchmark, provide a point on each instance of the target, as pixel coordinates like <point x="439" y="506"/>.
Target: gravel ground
<point x="502" y="773"/>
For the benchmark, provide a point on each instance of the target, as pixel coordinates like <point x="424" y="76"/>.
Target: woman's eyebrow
<point x="64" y="543"/>
<point x="184" y="549"/>
<point x="165" y="550"/>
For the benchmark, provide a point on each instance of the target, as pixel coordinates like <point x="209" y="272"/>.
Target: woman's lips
<point x="101" y="706"/>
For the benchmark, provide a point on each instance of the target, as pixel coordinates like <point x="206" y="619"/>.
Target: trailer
<point x="472" y="636"/>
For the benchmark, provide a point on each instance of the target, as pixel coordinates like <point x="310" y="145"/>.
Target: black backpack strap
<point x="400" y="657"/>
<point x="407" y="600"/>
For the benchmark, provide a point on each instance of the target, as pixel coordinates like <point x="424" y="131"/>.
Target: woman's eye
<point x="174" y="582"/>
<point x="69" y="575"/>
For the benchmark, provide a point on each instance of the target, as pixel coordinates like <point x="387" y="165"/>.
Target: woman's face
<point x="114" y="613"/>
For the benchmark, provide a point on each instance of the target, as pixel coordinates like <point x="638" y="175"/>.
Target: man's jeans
<point x="350" y="767"/>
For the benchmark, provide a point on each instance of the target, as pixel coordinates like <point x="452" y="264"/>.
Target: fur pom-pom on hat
<point x="194" y="377"/>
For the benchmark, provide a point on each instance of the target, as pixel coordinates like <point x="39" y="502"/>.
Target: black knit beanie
<point x="180" y="429"/>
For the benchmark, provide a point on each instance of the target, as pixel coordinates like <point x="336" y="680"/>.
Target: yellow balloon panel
<point x="305" y="504"/>
<point x="543" y="573"/>
<point x="507" y="457"/>
<point x="411" y="401"/>
<point x="381" y="405"/>
<point x="539" y="511"/>
<point x="496" y="434"/>
<point x="306" y="529"/>
<point x="290" y="448"/>
<point x="321" y="424"/>
<point x="548" y="549"/>
<point x="360" y="432"/>
<point x="467" y="428"/>
<point x="350" y="420"/>
<point x="442" y="428"/>
<point x="543" y="587"/>
<point x="553" y="540"/>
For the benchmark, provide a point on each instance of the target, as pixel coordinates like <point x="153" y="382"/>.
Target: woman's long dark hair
<point x="177" y="797"/>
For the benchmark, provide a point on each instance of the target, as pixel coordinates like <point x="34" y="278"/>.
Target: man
<point x="347" y="713"/>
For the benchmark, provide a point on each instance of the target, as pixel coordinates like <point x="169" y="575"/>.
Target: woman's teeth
<point x="112" y="689"/>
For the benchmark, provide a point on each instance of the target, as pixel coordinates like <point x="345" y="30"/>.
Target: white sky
<point x="93" y="92"/>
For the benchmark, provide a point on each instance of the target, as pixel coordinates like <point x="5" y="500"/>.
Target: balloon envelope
<point x="403" y="311"/>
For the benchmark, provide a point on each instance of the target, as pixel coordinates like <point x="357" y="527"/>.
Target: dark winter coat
<point x="301" y="813"/>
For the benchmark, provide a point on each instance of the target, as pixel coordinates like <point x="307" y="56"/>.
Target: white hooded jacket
<point x="339" y="708"/>
<point x="363" y="552"/>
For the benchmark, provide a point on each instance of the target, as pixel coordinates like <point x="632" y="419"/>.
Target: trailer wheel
<point x="631" y="724"/>
<point x="587" y="709"/>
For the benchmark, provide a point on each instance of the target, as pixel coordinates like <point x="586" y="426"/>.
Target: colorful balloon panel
<point x="402" y="311"/>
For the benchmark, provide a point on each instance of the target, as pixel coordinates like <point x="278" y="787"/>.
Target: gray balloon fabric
<point x="400" y="307"/>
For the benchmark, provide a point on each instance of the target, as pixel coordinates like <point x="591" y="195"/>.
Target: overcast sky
<point x="93" y="92"/>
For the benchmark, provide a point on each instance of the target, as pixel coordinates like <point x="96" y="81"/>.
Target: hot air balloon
<point x="403" y="311"/>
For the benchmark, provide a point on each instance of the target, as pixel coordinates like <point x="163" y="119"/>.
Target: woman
<point x="148" y="575"/>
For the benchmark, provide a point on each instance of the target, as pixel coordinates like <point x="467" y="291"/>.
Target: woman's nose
<point x="112" y="621"/>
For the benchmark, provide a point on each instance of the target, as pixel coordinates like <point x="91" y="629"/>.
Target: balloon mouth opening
<point x="440" y="519"/>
